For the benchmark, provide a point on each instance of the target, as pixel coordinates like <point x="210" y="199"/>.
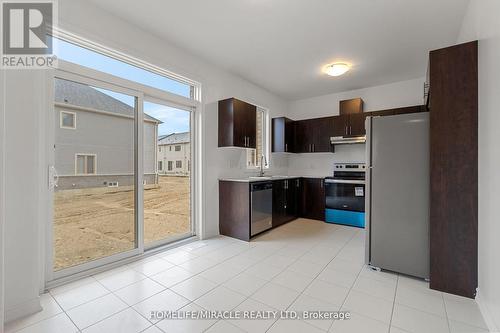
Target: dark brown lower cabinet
<point x="234" y="209"/>
<point x="279" y="202"/>
<point x="454" y="169"/>
<point x="312" y="204"/>
<point x="285" y="200"/>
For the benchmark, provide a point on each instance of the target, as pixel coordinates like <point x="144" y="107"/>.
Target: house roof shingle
<point x="174" y="138"/>
<point x="81" y="95"/>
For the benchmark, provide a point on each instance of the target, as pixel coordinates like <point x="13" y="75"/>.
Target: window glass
<point x="90" y="164"/>
<point x="88" y="58"/>
<point x="80" y="164"/>
<point x="178" y="164"/>
<point x="68" y="119"/>
<point x="254" y="155"/>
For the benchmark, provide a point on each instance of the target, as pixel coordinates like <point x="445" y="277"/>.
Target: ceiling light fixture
<point x="337" y="69"/>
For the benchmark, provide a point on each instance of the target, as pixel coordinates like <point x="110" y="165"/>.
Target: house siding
<point x="166" y="155"/>
<point x="111" y="139"/>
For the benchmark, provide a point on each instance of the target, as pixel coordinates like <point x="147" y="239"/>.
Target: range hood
<point x="342" y="140"/>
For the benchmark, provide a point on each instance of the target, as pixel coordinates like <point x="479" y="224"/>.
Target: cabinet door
<point x="240" y="117"/>
<point x="340" y="125"/>
<point x="322" y="130"/>
<point x="283" y="135"/>
<point x="302" y="137"/>
<point x="250" y="125"/>
<point x="237" y="124"/>
<point x="279" y="199"/>
<point x="292" y="200"/>
<point x="289" y="136"/>
<point x="357" y="124"/>
<point x="313" y="199"/>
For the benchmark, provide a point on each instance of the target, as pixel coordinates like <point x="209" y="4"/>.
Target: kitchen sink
<point x="260" y="177"/>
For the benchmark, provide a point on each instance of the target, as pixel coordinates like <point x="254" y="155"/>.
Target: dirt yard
<point x="95" y="223"/>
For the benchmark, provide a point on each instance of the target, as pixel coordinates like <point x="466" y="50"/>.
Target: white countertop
<point x="252" y="179"/>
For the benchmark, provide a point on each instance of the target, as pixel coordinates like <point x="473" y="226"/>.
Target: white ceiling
<point x="282" y="45"/>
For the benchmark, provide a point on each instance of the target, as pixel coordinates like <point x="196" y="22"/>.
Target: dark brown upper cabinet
<point x="397" y="111"/>
<point x="237" y="124"/>
<point x="349" y="124"/>
<point x="313" y="135"/>
<point x="283" y="136"/>
<point x="351" y="106"/>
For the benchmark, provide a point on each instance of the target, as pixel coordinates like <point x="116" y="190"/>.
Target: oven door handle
<point x="344" y="181"/>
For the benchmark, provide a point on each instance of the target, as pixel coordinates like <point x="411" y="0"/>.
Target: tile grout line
<point x="113" y="293"/>
<point x="350" y="288"/>
<point x="301" y="293"/>
<point x="394" y="303"/>
<point x="446" y="313"/>
<point x="268" y="281"/>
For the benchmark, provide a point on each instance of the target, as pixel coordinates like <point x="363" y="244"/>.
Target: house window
<point x="160" y="165"/>
<point x="170" y="148"/>
<point x="159" y="149"/>
<point x="177" y="148"/>
<point x="85" y="164"/>
<point x="170" y="165"/>
<point x="68" y="119"/>
<point x="262" y="135"/>
<point x="178" y="164"/>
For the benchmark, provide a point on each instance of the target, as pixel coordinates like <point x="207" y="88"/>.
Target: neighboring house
<point x="94" y="139"/>
<point x="174" y="152"/>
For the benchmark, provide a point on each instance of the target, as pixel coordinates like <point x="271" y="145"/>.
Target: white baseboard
<point x="486" y="313"/>
<point x="23" y="310"/>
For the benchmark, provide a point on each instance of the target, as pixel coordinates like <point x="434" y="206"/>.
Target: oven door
<point x="346" y="195"/>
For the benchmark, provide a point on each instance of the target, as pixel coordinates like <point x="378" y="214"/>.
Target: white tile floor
<point x="303" y="265"/>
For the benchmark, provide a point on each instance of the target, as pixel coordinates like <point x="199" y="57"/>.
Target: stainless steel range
<point x="345" y="195"/>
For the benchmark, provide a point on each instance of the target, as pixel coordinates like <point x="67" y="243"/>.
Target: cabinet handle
<point x="246" y="141"/>
<point x="350" y="130"/>
<point x="314" y="147"/>
<point x="286" y="147"/>
<point x="321" y="183"/>
<point x="297" y="183"/>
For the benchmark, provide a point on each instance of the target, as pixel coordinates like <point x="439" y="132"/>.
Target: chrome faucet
<point x="262" y="162"/>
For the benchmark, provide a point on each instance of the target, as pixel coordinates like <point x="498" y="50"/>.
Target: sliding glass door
<point x="120" y="173"/>
<point x="167" y="172"/>
<point x="95" y="163"/>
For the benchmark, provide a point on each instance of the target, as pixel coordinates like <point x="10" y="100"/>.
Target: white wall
<point x="22" y="265"/>
<point x="24" y="220"/>
<point x="399" y="94"/>
<point x="216" y="84"/>
<point x="482" y="22"/>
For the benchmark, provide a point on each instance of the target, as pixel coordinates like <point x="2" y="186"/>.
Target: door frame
<point x="78" y="75"/>
<point x="74" y="72"/>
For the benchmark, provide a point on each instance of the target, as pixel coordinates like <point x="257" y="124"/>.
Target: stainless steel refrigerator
<point x="397" y="187"/>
